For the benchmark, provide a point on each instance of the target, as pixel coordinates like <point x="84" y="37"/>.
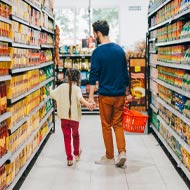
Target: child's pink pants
<point x="70" y="127"/>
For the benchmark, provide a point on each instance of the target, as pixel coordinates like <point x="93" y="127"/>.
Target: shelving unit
<point x="26" y="71"/>
<point x="77" y="60"/>
<point x="168" y="68"/>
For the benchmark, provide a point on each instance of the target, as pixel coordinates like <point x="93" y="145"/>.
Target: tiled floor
<point x="147" y="166"/>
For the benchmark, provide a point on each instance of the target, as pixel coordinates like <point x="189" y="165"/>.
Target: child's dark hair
<point x="101" y="26"/>
<point x="73" y="75"/>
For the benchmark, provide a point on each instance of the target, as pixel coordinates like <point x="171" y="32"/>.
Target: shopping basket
<point x="134" y="121"/>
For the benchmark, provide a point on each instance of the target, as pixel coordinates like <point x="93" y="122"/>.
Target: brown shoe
<point x="77" y="158"/>
<point x="69" y="162"/>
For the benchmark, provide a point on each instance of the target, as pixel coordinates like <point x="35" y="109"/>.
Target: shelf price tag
<point x="137" y="69"/>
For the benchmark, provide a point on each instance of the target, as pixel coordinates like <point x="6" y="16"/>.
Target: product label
<point x="137" y="69"/>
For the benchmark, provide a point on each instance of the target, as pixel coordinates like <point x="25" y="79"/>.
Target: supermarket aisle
<point x="147" y="167"/>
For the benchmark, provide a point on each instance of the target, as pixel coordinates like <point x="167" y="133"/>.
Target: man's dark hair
<point x="101" y="26"/>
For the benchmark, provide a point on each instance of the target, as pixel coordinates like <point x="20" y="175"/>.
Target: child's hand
<point x="50" y="88"/>
<point x="91" y="106"/>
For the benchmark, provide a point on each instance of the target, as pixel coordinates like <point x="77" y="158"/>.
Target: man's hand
<point x="129" y="98"/>
<point x="92" y="102"/>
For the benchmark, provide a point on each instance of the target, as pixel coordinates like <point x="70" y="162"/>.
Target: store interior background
<point x="132" y="23"/>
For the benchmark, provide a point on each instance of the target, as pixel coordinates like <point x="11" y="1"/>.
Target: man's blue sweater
<point x="109" y="68"/>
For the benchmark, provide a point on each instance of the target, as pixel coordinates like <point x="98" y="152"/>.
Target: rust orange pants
<point x="111" y="110"/>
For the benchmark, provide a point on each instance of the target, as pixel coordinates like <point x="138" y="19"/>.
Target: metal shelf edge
<point x="154" y="108"/>
<point x="21" y="171"/>
<point x="5" y="158"/>
<point x="179" y="163"/>
<point x="14" y="128"/>
<point x="5" y="78"/>
<point x="181" y="141"/>
<point x="159" y="7"/>
<point x="5" y="116"/>
<point x="5" y="39"/>
<point x="5" y="58"/>
<point x="185" y="40"/>
<point x="173" y="65"/>
<point x="32" y="5"/>
<point x="7" y="2"/>
<point x="176" y="89"/>
<point x="6" y="20"/>
<point x="175" y="112"/>
<point x="41" y="65"/>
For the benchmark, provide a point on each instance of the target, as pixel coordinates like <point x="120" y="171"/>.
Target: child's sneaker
<point x="69" y="162"/>
<point x="77" y="158"/>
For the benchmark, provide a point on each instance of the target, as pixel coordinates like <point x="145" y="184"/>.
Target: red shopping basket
<point x="134" y="121"/>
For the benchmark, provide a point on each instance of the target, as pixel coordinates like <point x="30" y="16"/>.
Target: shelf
<point x="152" y="65"/>
<point x="5" y="116"/>
<point x="41" y="65"/>
<point x="153" y="79"/>
<point x="152" y="39"/>
<point x="174" y="111"/>
<point x="20" y="70"/>
<point x="19" y="45"/>
<point x="14" y="155"/>
<point x="35" y="27"/>
<point x="14" y="128"/>
<point x="174" y="42"/>
<point x="158" y="25"/>
<point x="11" y="101"/>
<point x="5" y="39"/>
<point x="176" y="89"/>
<point x="7" y="2"/>
<point x="45" y="118"/>
<point x="159" y="7"/>
<point x="32" y="5"/>
<point x="153" y="52"/>
<point x="39" y="107"/>
<point x="178" y="161"/>
<point x="3" y="19"/>
<point x="154" y="108"/>
<point x="5" y="78"/>
<point x="168" y="21"/>
<point x="173" y="65"/>
<point x="74" y="56"/>
<point x="173" y="133"/>
<point x="20" y="20"/>
<point x="5" y="158"/>
<point x="21" y="171"/>
<point x="47" y="46"/>
<point x="45" y="64"/>
<point x="47" y="30"/>
<point x="86" y="111"/>
<point x="5" y="58"/>
<point x="90" y="112"/>
<point x="48" y="14"/>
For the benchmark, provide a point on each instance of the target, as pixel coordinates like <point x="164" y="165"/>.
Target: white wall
<point x="133" y="24"/>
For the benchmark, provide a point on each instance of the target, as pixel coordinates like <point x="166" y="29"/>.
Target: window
<point x="74" y="23"/>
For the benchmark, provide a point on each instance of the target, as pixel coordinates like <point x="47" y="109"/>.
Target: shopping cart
<point x="134" y="121"/>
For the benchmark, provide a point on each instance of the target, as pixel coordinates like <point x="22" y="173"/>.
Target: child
<point x="69" y="98"/>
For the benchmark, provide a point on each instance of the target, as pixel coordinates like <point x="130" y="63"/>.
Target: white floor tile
<point x="147" y="168"/>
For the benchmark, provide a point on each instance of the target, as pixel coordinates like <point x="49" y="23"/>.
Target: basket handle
<point x="126" y="104"/>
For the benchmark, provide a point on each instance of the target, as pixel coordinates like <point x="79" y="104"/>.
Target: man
<point x="109" y="68"/>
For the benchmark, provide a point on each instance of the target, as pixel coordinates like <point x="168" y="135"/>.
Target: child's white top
<point x="61" y="95"/>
